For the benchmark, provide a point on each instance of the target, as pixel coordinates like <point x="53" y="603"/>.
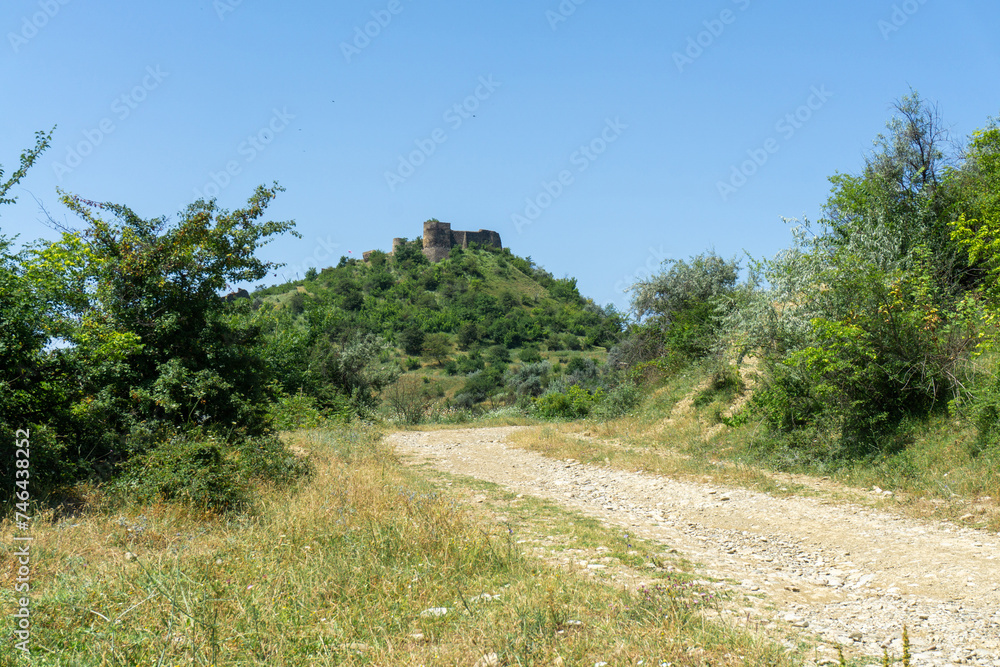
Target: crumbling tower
<point x="439" y="239"/>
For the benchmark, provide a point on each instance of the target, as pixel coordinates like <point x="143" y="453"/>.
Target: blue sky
<point x="592" y="135"/>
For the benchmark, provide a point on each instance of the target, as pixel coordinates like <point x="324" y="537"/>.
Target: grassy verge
<point x="680" y="430"/>
<point x="355" y="568"/>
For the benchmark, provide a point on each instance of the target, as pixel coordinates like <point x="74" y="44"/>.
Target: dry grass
<point x="935" y="475"/>
<point x="339" y="573"/>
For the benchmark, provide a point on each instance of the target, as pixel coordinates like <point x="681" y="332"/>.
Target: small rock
<point x="485" y="597"/>
<point x="418" y="637"/>
<point x="856" y="636"/>
<point x="434" y="612"/>
<point x="489" y="660"/>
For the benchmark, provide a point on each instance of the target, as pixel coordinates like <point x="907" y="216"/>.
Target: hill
<point x="480" y="295"/>
<point x="472" y="312"/>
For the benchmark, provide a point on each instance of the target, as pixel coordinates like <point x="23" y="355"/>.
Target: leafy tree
<point x="468" y="335"/>
<point x="36" y="385"/>
<point x="412" y="339"/>
<point x="28" y="157"/>
<point x="977" y="229"/>
<point x="356" y="370"/>
<point x="498" y="354"/>
<point x="410" y="255"/>
<point x="529" y="379"/>
<point x="904" y="195"/>
<point x="683" y="301"/>
<point x="438" y="347"/>
<point x="139" y="302"/>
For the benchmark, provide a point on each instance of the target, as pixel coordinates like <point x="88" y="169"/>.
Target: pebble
<point x="858" y="592"/>
<point x="434" y="612"/>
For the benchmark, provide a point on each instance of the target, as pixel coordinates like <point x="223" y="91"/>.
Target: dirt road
<point x="851" y="575"/>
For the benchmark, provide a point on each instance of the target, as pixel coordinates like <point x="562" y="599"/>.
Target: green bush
<point x="529" y="355"/>
<point x="575" y="403"/>
<point x="619" y="401"/>
<point x="197" y="470"/>
<point x="294" y="411"/>
<point x="412" y="340"/>
<point x="498" y="354"/>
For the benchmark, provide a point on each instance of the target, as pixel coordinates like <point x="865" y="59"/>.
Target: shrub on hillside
<point x="575" y="403"/>
<point x="196" y="469"/>
<point x="529" y="354"/>
<point x="617" y="402"/>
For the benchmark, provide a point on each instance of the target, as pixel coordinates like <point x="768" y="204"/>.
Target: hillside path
<point x="851" y="575"/>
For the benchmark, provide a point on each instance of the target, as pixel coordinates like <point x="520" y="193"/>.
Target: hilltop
<point x="480" y="295"/>
<point x="460" y="323"/>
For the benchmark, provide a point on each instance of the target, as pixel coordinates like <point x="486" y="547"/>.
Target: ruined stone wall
<point x="439" y="239"/>
<point x="482" y="237"/>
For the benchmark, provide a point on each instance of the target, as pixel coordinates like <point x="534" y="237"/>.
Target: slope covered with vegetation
<point x="868" y="347"/>
<point x="121" y="356"/>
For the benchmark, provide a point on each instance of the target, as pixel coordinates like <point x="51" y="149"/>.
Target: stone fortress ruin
<point x="439" y="238"/>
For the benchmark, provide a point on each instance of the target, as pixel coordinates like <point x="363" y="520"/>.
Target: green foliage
<point x="685" y="303"/>
<point x="356" y="370"/>
<point x="620" y="400"/>
<point x="529" y="379"/>
<point x="529" y="354"/>
<point x="498" y="354"/>
<point x="576" y="402"/>
<point x="159" y="341"/>
<point x="200" y="471"/>
<point x="28" y="158"/>
<point x="152" y="359"/>
<point x="437" y="347"/>
<point x="478" y="297"/>
<point x="412" y="340"/>
<point x="479" y="386"/>
<point x="294" y="411"/>
<point x="901" y="199"/>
